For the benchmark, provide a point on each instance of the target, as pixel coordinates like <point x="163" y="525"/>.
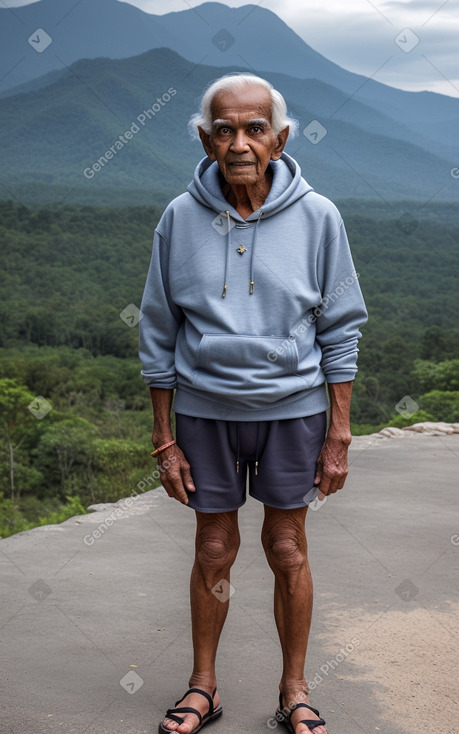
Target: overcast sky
<point x="360" y="35"/>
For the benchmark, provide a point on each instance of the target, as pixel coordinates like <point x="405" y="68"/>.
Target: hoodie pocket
<point x="261" y="364"/>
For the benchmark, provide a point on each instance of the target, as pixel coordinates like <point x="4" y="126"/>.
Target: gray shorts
<point x="279" y="458"/>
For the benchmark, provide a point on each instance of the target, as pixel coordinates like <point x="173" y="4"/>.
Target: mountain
<point x="109" y="131"/>
<point x="213" y="34"/>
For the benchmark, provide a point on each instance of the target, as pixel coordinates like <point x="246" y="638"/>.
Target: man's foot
<point x="191" y="722"/>
<point x="293" y="720"/>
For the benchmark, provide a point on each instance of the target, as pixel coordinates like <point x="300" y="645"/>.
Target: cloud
<point x="362" y="37"/>
<point x="16" y="3"/>
<point x="417" y="5"/>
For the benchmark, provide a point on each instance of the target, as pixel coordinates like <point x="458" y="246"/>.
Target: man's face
<point x="242" y="140"/>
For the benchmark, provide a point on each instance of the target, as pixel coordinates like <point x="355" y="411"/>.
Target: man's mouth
<point x="242" y="163"/>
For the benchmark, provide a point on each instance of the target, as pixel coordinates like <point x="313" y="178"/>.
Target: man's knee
<point x="216" y="549"/>
<point x="285" y="548"/>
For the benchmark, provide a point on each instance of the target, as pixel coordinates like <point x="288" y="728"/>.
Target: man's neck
<point x="247" y="199"/>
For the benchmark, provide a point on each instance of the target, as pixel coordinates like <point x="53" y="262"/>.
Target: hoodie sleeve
<point x="160" y="321"/>
<point x="341" y="311"/>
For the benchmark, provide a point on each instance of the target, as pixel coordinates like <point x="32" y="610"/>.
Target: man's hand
<point x="332" y="466"/>
<point x="175" y="474"/>
<point x="174" y="470"/>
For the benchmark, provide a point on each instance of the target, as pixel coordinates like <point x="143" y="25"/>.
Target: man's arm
<point x="176" y="478"/>
<point x="158" y="331"/>
<point x="342" y="313"/>
<point x="332" y="465"/>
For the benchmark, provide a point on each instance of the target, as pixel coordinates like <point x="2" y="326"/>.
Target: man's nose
<point x="239" y="143"/>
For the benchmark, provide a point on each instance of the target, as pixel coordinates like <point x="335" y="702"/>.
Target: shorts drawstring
<point x="238" y="455"/>
<point x="256" y="450"/>
<point x="238" y="448"/>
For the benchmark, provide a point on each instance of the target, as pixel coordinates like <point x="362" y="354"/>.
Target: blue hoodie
<point x="248" y="318"/>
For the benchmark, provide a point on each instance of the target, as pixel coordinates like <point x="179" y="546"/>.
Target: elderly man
<point x="251" y="306"/>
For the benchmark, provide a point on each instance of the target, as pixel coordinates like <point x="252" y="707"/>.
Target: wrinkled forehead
<point x="250" y="102"/>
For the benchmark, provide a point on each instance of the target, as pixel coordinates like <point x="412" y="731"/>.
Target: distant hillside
<point x="213" y="34"/>
<point x="106" y="127"/>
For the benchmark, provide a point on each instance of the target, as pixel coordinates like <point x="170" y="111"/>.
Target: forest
<point x="75" y="415"/>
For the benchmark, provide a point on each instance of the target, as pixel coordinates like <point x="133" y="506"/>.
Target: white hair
<point x="233" y="83"/>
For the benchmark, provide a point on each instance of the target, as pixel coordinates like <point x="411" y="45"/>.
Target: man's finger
<point x="176" y="492"/>
<point x="333" y="483"/>
<point x="319" y="471"/>
<point x="188" y="480"/>
<point x="324" y="484"/>
<point x="173" y="484"/>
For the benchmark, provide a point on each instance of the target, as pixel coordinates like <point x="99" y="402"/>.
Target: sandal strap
<point x="183" y="710"/>
<point x="203" y="693"/>
<point x="305" y="706"/>
<point x="173" y="717"/>
<point x="312" y="723"/>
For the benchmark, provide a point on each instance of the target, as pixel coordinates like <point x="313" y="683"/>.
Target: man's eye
<point x="256" y="129"/>
<point x="224" y="130"/>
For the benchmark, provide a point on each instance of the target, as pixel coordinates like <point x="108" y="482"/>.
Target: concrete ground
<point x="95" y="632"/>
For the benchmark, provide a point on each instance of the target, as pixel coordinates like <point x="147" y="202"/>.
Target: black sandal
<point x="286" y="719"/>
<point x="211" y="715"/>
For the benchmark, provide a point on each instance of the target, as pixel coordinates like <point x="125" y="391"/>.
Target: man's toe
<point x="171" y="725"/>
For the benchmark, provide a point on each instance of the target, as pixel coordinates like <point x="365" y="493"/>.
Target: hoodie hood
<point x="287" y="187"/>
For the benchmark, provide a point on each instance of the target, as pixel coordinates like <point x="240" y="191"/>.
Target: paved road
<point x="85" y="607"/>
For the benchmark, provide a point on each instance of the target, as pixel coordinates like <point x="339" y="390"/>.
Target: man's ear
<point x="280" y="144"/>
<point x="206" y="143"/>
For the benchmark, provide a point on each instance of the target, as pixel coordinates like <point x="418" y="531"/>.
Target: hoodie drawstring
<point x="228" y="249"/>
<point x="228" y="253"/>
<point x="252" y="282"/>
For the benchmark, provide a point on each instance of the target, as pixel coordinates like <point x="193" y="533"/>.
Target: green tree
<point x="433" y="344"/>
<point x="116" y="461"/>
<point x="443" y="405"/>
<point x="14" y="417"/>
<point x="64" y="454"/>
<point x="436" y="376"/>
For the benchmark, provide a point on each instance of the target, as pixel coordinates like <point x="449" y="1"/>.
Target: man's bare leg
<point x="284" y="541"/>
<point x="217" y="544"/>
